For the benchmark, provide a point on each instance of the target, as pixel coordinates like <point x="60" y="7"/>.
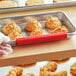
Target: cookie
<point x="14" y="35"/>
<point x="34" y="2"/>
<point x="50" y="67"/>
<point x="46" y="73"/>
<point x="10" y="27"/>
<point x="73" y="69"/>
<point x="60" y="29"/>
<point x="37" y="32"/>
<point x="53" y="22"/>
<point x="29" y="74"/>
<point x="7" y="4"/>
<point x="17" y="71"/>
<point x="55" y="1"/>
<point x="33" y="25"/>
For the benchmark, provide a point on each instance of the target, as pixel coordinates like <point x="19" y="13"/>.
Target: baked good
<point x="10" y="27"/>
<point x="32" y="25"/>
<point x="55" y="1"/>
<point x="37" y="32"/>
<point x="60" y="29"/>
<point x="60" y="60"/>
<point x="34" y="2"/>
<point x="46" y="73"/>
<point x="73" y="69"/>
<point x="17" y="71"/>
<point x="26" y="65"/>
<point x="14" y="35"/>
<point x="7" y="4"/>
<point x="4" y="0"/>
<point x="29" y="74"/>
<point x="53" y="22"/>
<point x="50" y="67"/>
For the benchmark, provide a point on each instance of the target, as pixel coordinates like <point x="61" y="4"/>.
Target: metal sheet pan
<point x="48" y="4"/>
<point x="22" y="20"/>
<point x="36" y="68"/>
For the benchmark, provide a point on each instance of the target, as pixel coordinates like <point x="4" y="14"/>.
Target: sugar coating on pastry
<point x="46" y="73"/>
<point x="32" y="25"/>
<point x="50" y="67"/>
<point x="73" y="69"/>
<point x="34" y="2"/>
<point x="29" y="74"/>
<point x="17" y="71"/>
<point x="60" y="29"/>
<point x="14" y="35"/>
<point x="10" y="27"/>
<point x="53" y="23"/>
<point x="37" y="32"/>
<point x="7" y="4"/>
<point x="55" y="1"/>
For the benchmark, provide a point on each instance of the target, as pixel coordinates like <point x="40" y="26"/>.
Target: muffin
<point x="60" y="29"/>
<point x="7" y="4"/>
<point x="53" y="23"/>
<point x="32" y="25"/>
<point x="17" y="71"/>
<point x="10" y="27"/>
<point x="14" y="35"/>
<point x="55" y="1"/>
<point x="29" y="74"/>
<point x="50" y="67"/>
<point x="37" y="32"/>
<point x="46" y="73"/>
<point x="73" y="69"/>
<point x="34" y="2"/>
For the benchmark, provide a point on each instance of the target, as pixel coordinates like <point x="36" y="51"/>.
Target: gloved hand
<point x="5" y="48"/>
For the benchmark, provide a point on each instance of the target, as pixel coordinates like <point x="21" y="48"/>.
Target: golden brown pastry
<point x="29" y="74"/>
<point x="37" y="32"/>
<point x="33" y="25"/>
<point x="17" y="71"/>
<point x="53" y="23"/>
<point x="55" y="1"/>
<point x="10" y="27"/>
<point x="14" y="35"/>
<point x="60" y="29"/>
<point x="34" y="2"/>
<point x="4" y="0"/>
<point x="73" y="69"/>
<point x="50" y="67"/>
<point x="7" y="4"/>
<point x="26" y="65"/>
<point x="46" y="73"/>
<point x="60" y="60"/>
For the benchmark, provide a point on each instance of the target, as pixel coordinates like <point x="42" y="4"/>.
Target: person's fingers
<point x="4" y="39"/>
<point x="1" y="38"/>
<point x="3" y="53"/>
<point x="6" y="45"/>
<point x="6" y="48"/>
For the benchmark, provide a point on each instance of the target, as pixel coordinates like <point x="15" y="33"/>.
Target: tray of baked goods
<point x="45" y="68"/>
<point x="37" y="28"/>
<point x="24" y="5"/>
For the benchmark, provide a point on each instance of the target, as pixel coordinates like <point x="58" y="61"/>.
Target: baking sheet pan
<point x="48" y="4"/>
<point x="41" y="17"/>
<point x="36" y="68"/>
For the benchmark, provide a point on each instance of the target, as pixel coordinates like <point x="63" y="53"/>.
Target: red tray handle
<point x="42" y="38"/>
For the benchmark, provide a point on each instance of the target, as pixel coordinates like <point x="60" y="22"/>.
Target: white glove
<point x="5" y="49"/>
